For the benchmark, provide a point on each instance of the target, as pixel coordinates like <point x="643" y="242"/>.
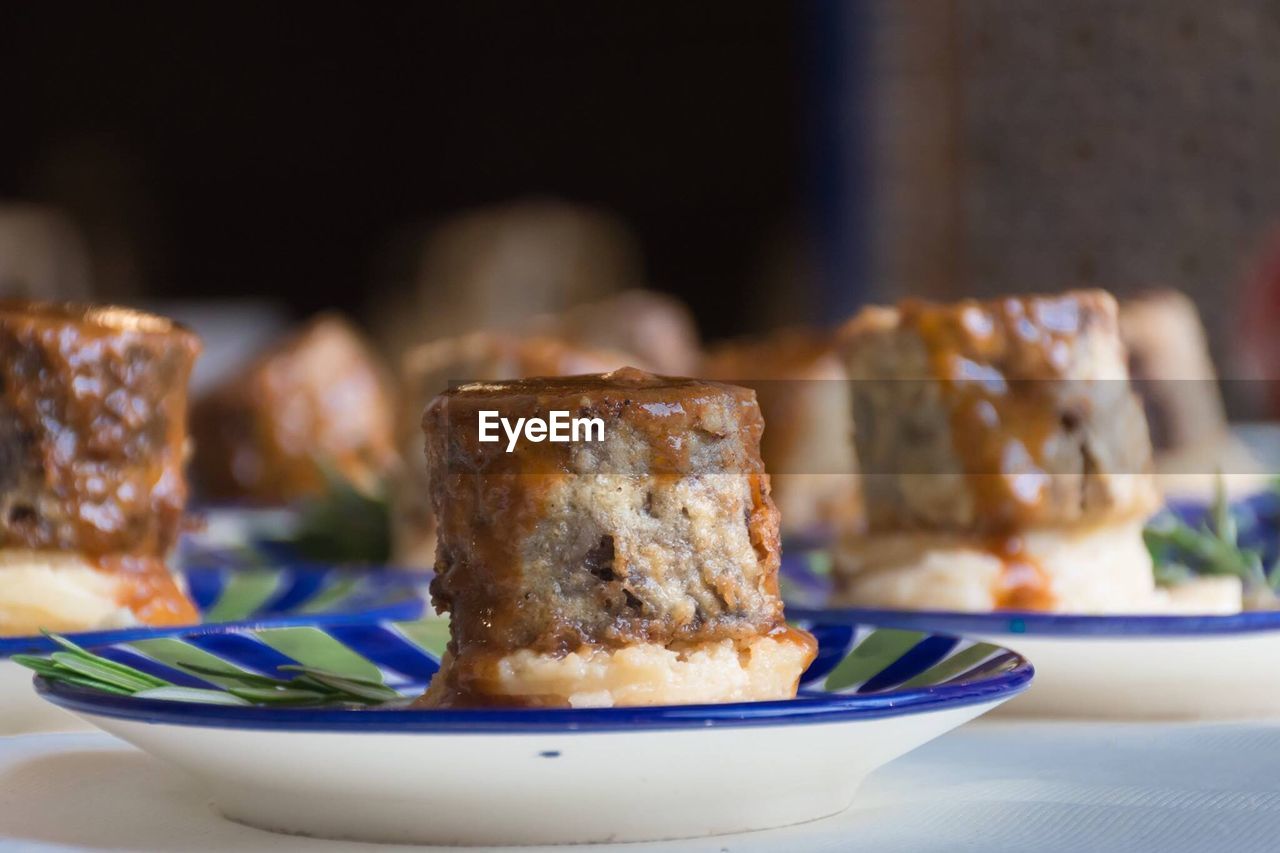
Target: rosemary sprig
<point x="1181" y="551"/>
<point x="305" y="686"/>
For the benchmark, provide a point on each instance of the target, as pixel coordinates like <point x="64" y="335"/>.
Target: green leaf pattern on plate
<point x="961" y="661"/>
<point x="430" y="635"/>
<point x="315" y="648"/>
<point x="243" y="595"/>
<point x="876" y="651"/>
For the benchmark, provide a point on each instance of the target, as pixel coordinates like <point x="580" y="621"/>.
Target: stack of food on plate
<point x="1005" y="462"/>
<point x="635" y="568"/>
<point x="93" y="445"/>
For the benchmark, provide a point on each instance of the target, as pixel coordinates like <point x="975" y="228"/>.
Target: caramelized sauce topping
<point x="149" y="590"/>
<point x="92" y="427"/>
<point x="1005" y="368"/>
<point x="1002" y="365"/>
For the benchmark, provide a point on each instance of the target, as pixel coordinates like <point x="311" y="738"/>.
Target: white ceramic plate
<point x="503" y="776"/>
<point x="1099" y="667"/>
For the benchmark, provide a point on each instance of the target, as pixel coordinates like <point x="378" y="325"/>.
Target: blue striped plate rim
<point x="861" y="672"/>
<point x="805" y="583"/>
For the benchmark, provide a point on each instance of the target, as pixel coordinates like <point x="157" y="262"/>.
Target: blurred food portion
<point x="656" y="328"/>
<point x="430" y="369"/>
<point x="232" y="332"/>
<point x="497" y="267"/>
<point x="315" y="407"/>
<point x="1005" y="461"/>
<point x="43" y="255"/>
<point x="807" y="445"/>
<point x="93" y="445"/>
<point x="995" y="402"/>
<point x="1165" y="341"/>
<point x="1174" y="375"/>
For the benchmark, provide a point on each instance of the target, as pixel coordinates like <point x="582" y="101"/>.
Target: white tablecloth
<point x="991" y="786"/>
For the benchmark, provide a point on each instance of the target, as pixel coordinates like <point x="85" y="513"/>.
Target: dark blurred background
<point x="773" y="162"/>
<point x="249" y="149"/>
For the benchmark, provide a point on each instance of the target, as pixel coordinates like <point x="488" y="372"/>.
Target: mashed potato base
<point x="759" y="669"/>
<point x="1099" y="569"/>
<point x="57" y="591"/>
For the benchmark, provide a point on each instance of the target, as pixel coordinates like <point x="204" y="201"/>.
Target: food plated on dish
<point x="361" y="762"/>
<point x="636" y="565"/>
<point x="93" y="449"/>
<point x="1006" y="463"/>
<point x="93" y="442"/>
<point x="613" y="604"/>
<point x="1091" y="666"/>
<point x="1006" y="470"/>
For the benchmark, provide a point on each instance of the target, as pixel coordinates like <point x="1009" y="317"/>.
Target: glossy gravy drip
<point x="149" y="590"/>
<point x="1000" y="364"/>
<point x="1024" y="583"/>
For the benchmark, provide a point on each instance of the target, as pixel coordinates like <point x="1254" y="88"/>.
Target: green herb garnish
<point x="1182" y="552"/>
<point x="305" y="686"/>
<point x="347" y="524"/>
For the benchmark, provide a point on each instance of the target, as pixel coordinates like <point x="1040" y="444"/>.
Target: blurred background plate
<point x="1096" y="667"/>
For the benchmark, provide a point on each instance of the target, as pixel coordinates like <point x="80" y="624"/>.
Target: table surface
<point x="990" y="786"/>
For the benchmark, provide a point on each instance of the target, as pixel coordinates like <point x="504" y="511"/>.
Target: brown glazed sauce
<point x="999" y="363"/>
<point x="149" y="590"/>
<point x="488" y="501"/>
<point x="92" y="428"/>
<point x="1024" y="584"/>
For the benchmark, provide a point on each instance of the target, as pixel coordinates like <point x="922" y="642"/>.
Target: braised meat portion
<point x="93" y="428"/>
<point x="661" y="531"/>
<point x="990" y="416"/>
